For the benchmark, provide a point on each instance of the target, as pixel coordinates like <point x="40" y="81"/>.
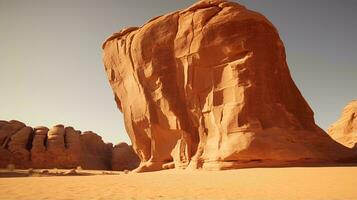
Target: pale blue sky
<point x="51" y="67"/>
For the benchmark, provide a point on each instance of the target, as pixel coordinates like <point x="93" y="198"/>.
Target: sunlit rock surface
<point x="58" y="147"/>
<point x="344" y="130"/>
<point x="209" y="87"/>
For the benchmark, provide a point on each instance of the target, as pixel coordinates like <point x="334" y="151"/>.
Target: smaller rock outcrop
<point x="18" y="144"/>
<point x="124" y="158"/>
<point x="95" y="153"/>
<point x="344" y="130"/>
<point x="58" y="147"/>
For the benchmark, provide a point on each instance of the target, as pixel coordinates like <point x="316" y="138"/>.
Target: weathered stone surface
<point x="55" y="138"/>
<point x="7" y="129"/>
<point x="19" y="145"/>
<point x="344" y="130"/>
<point x="58" y="147"/>
<point x="209" y="87"/>
<point x="38" y="150"/>
<point x="124" y="158"/>
<point x="96" y="154"/>
<point x="39" y="140"/>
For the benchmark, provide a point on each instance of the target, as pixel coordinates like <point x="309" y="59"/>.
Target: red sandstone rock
<point x="58" y="147"/>
<point x="18" y="145"/>
<point x="38" y="150"/>
<point x="124" y="158"/>
<point x="7" y="129"/>
<point x="95" y="153"/>
<point x="39" y="140"/>
<point x="209" y="87"/>
<point x="344" y="130"/>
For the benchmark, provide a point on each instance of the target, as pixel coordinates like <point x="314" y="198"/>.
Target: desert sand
<point x="260" y="183"/>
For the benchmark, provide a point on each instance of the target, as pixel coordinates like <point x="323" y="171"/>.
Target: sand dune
<point x="263" y="183"/>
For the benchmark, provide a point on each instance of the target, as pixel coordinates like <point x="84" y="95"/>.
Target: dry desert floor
<point x="310" y="183"/>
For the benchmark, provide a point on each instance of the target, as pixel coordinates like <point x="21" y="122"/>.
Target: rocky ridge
<point x="57" y="147"/>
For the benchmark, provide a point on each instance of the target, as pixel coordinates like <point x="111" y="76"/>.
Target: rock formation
<point x="124" y="158"/>
<point x="58" y="147"/>
<point x="93" y="149"/>
<point x="209" y="87"/>
<point x="344" y="130"/>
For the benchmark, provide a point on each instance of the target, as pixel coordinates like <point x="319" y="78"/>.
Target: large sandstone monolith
<point x="344" y="130"/>
<point x="209" y="87"/>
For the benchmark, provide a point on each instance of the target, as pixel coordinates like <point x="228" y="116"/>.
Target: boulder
<point x="95" y="153"/>
<point x="209" y="87"/>
<point x="55" y="138"/>
<point x="39" y="140"/>
<point x="7" y="129"/>
<point x="124" y="158"/>
<point x="38" y="150"/>
<point x="19" y="145"/>
<point x="344" y="130"/>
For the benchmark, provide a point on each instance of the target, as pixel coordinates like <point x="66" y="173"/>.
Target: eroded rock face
<point x="96" y="154"/>
<point x="209" y="87"/>
<point x="344" y="130"/>
<point x="58" y="147"/>
<point x="124" y="158"/>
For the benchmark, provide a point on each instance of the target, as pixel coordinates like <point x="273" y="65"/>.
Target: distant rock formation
<point x="209" y="87"/>
<point x="344" y="130"/>
<point x="58" y="147"/>
<point x="124" y="158"/>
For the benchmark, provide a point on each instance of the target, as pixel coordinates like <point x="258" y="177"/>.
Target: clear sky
<point x="51" y="67"/>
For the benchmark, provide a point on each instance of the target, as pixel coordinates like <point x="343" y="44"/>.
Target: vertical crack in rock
<point x="29" y="141"/>
<point x="7" y="130"/>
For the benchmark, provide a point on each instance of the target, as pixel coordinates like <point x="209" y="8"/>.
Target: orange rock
<point x="209" y="87"/>
<point x="58" y="147"/>
<point x="18" y="144"/>
<point x="124" y="158"/>
<point x="7" y="129"/>
<point x="95" y="153"/>
<point x="38" y="149"/>
<point x="344" y="130"/>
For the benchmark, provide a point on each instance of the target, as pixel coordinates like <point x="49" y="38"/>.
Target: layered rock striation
<point x="209" y="87"/>
<point x="344" y="130"/>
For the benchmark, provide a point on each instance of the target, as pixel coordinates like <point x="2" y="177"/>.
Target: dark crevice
<point x="45" y="140"/>
<point x="256" y="160"/>
<point x="168" y="160"/>
<point x="30" y="140"/>
<point x="6" y="140"/>
<point x="65" y="139"/>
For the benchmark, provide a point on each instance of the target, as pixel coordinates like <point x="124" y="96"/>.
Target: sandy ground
<point x="310" y="183"/>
